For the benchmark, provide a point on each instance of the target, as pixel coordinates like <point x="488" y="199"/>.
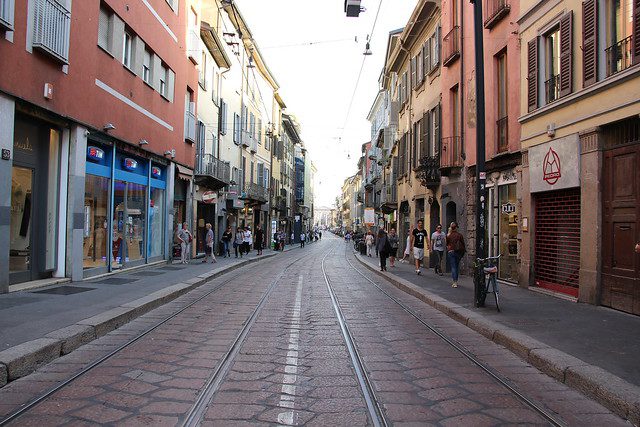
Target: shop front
<point x="503" y="223"/>
<point x="35" y="183"/>
<point x="124" y="210"/>
<point x="554" y="179"/>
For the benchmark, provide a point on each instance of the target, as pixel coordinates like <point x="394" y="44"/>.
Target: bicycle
<point x="486" y="274"/>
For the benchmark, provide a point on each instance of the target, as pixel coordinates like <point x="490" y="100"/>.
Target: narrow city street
<point x="306" y="338"/>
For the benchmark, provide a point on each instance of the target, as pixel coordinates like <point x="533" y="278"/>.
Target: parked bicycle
<point x="486" y="270"/>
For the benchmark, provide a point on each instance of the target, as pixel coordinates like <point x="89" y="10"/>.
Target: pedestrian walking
<point x="455" y="251"/>
<point x="407" y="249"/>
<point x="209" y="242"/>
<point x="185" y="238"/>
<point x="237" y="243"/>
<point x="303" y="237"/>
<point x="293" y="239"/>
<point x="384" y="248"/>
<point x="227" y="236"/>
<point x="247" y="240"/>
<point x="419" y="237"/>
<point x="282" y="240"/>
<point x="320" y="234"/>
<point x="438" y="246"/>
<point x="369" y="241"/>
<point x="394" y="242"/>
<point x="259" y="241"/>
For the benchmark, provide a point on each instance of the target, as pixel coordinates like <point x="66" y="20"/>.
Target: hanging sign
<point x="156" y="172"/>
<point x="210" y="197"/>
<point x="129" y="164"/>
<point x="508" y="208"/>
<point x="369" y="216"/>
<point x="95" y="154"/>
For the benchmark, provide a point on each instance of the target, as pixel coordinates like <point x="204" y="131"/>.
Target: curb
<point x="23" y="359"/>
<point x="611" y="391"/>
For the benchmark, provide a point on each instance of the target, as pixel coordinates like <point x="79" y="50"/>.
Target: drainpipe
<point x="461" y="92"/>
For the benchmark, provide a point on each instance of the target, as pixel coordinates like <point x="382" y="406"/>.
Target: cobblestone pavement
<point x="293" y="367"/>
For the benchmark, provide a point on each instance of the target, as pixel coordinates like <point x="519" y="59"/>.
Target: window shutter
<point x="425" y="54"/>
<point x="424" y="135"/>
<point x="532" y="71"/>
<point x="427" y="59"/>
<point x="413" y="72"/>
<point x="589" y="42"/>
<point x="635" y="38"/>
<point x="566" y="54"/>
<point x="436" y="51"/>
<point x="260" y="174"/>
<point x="436" y="130"/>
<point x="103" y="29"/>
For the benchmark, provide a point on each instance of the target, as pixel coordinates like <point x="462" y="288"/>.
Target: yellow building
<point x="580" y="135"/>
<point x="412" y="75"/>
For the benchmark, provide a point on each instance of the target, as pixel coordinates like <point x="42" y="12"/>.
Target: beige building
<point x="414" y="65"/>
<point x="580" y="135"/>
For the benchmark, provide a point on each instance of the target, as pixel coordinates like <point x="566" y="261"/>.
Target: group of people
<point x="280" y="238"/>
<point x="386" y="246"/>
<point x="242" y="241"/>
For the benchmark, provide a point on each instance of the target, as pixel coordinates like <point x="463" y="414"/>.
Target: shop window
<point x="96" y="231"/>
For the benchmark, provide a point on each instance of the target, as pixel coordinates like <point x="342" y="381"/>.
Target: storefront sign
<point x="129" y="164"/>
<point x="95" y="154"/>
<point x="369" y="216"/>
<point x="508" y="208"/>
<point x="210" y="197"/>
<point x="6" y="154"/>
<point x="555" y="165"/>
<point x="156" y="172"/>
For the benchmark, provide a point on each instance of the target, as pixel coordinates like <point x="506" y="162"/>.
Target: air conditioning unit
<point x="353" y="8"/>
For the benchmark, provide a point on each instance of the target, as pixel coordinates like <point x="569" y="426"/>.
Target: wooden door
<point x="621" y="229"/>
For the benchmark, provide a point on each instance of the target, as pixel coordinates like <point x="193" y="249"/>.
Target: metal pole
<point x="481" y="178"/>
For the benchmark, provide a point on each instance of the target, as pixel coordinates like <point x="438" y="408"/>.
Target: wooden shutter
<point x="424" y="135"/>
<point x="589" y="42"/>
<point x="436" y="51"/>
<point x="635" y="38"/>
<point x="425" y="64"/>
<point x="566" y="54"/>
<point x="532" y="71"/>
<point x="427" y="59"/>
<point x="412" y="84"/>
<point x="436" y="131"/>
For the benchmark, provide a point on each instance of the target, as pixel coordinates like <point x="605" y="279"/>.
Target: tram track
<point x="537" y="408"/>
<point x="205" y="395"/>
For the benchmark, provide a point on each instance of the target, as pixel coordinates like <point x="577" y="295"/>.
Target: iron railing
<point x="502" y="133"/>
<point x="255" y="192"/>
<point x="389" y="195"/>
<point x="495" y="10"/>
<point x="451" y="46"/>
<point x="429" y="171"/>
<point x="6" y="14"/>
<point x="451" y="153"/>
<point x="552" y="88"/>
<point x="190" y="126"/>
<point x="51" y="28"/>
<point x="210" y="165"/>
<point x="618" y="56"/>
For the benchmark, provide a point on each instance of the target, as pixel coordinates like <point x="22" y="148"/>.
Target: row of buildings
<point x="562" y="82"/>
<point x="121" y="120"/>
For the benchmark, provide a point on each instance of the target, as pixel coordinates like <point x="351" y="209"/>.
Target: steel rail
<point x="198" y="409"/>
<point x="12" y="416"/>
<point x="466" y="353"/>
<point x="373" y="405"/>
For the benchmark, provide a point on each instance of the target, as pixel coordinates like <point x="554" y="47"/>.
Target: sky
<point x="310" y="47"/>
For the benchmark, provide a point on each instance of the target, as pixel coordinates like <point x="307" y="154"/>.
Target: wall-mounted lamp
<point x="367" y="50"/>
<point x="143" y="142"/>
<point x="108" y="127"/>
<point x="171" y="153"/>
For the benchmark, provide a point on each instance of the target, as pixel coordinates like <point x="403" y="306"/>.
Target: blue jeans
<point x="454" y="261"/>
<point x="226" y="248"/>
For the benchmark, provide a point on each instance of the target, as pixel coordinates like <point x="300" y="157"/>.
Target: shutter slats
<point x="635" y="39"/>
<point x="589" y="42"/>
<point x="532" y="74"/>
<point x="424" y="135"/>
<point x="436" y="131"/>
<point x="566" y="54"/>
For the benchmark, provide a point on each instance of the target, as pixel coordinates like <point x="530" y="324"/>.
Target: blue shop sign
<point x="95" y="154"/>
<point x="156" y="172"/>
<point x="129" y="164"/>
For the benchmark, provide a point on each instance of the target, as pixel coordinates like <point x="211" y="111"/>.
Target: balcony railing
<point x="451" y="153"/>
<point x="374" y="153"/>
<point x="429" y="171"/>
<point x="6" y="14"/>
<point x="495" y="10"/>
<point x="190" y="126"/>
<point x="255" y="192"/>
<point x="552" y="88"/>
<point x="502" y="132"/>
<point x="451" y="46"/>
<point x="211" y="166"/>
<point x="618" y="56"/>
<point x="51" y="27"/>
<point x="389" y="195"/>
<point x="281" y="204"/>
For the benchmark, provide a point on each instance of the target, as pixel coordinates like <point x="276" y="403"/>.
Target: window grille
<point x="52" y="24"/>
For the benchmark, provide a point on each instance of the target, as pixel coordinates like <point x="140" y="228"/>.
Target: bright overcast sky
<point x="310" y="47"/>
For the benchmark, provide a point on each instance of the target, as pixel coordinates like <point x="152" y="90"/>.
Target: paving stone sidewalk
<point x="593" y="349"/>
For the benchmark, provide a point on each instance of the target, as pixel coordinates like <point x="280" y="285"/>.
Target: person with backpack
<point x="455" y="251"/>
<point x="383" y="246"/>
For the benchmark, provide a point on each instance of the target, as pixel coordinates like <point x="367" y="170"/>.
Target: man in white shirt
<point x="247" y="240"/>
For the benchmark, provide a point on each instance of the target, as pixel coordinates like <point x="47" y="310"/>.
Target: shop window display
<point x="96" y="208"/>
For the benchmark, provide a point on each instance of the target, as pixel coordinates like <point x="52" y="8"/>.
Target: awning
<point x="183" y="172"/>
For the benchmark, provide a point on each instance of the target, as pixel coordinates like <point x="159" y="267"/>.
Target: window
<point x="236" y="129"/>
<point x="164" y="78"/>
<point x="6" y="14"/>
<point x="502" y="88"/>
<point x="51" y="29"/>
<point x="552" y="64"/>
<point x="251" y="173"/>
<point x="435" y="50"/>
<point x="222" y="120"/>
<point x="419" y="69"/>
<point x="415" y="144"/>
<point x="126" y="49"/>
<point x="455" y="112"/>
<point x="214" y="85"/>
<point x="619" y="30"/>
<point x="202" y="73"/>
<point x="173" y="4"/>
<point x="243" y="173"/>
<point x="454" y="13"/>
<point x="261" y="175"/>
<point x="146" y="67"/>
<point x="105" y="31"/>
<point x="259" y="131"/>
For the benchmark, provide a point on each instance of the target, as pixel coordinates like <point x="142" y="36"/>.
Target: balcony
<point x="190" y="126"/>
<point x="502" y="133"/>
<point x="255" y="192"/>
<point x="374" y="153"/>
<point x="451" y="154"/>
<point x="552" y="88"/>
<point x="6" y="14"/>
<point x="495" y="10"/>
<point x="429" y="171"/>
<point x="451" y="46"/>
<point x="51" y="26"/>
<point x="389" y="198"/>
<point x="280" y="205"/>
<point x="212" y="172"/>
<point x="618" y="56"/>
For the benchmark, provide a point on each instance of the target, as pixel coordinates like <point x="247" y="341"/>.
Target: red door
<point x="620" y="231"/>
